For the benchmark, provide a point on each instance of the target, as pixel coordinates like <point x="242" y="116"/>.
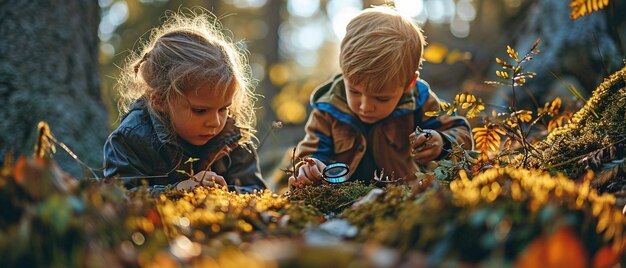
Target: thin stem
<point x="293" y="161"/>
<point x="585" y="155"/>
<point x="72" y="155"/>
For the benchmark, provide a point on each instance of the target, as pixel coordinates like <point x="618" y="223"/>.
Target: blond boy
<point x="366" y="116"/>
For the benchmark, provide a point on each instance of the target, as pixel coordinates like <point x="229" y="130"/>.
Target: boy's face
<point x="200" y="115"/>
<point x="372" y="107"/>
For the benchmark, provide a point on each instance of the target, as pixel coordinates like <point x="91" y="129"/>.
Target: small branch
<point x="587" y="154"/>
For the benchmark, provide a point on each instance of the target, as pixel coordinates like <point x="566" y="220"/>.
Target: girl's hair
<point x="187" y="51"/>
<point x="381" y="47"/>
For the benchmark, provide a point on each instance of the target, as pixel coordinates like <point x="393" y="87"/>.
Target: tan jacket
<point x="335" y="134"/>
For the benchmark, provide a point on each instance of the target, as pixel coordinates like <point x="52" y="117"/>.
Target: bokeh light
<point x="303" y="8"/>
<point x="340" y="12"/>
<point x="247" y="3"/>
<point x="411" y="8"/>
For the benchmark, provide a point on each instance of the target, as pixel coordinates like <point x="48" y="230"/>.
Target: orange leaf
<point x="19" y="172"/>
<point x="605" y="257"/>
<point x="566" y="250"/>
<point x="534" y="255"/>
<point x="561" y="249"/>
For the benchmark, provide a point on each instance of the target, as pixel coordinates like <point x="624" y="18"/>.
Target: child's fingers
<point x="316" y="172"/>
<point x="186" y="184"/>
<point x="299" y="182"/>
<point x="204" y="175"/>
<point x="427" y="154"/>
<point x="314" y="169"/>
<point x="304" y="180"/>
<point x="293" y="181"/>
<point x="207" y="182"/>
<point x="304" y="173"/>
<point x="419" y="140"/>
<point x="304" y="176"/>
<point x="219" y="180"/>
<point x="416" y="150"/>
<point x="320" y="166"/>
<point x="210" y="178"/>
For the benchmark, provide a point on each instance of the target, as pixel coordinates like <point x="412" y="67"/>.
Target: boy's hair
<point x="187" y="51"/>
<point x="381" y="47"/>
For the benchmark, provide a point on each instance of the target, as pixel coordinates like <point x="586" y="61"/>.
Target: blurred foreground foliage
<point x="501" y="216"/>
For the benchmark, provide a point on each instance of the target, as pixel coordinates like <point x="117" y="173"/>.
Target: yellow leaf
<point x="556" y="104"/>
<point x="478" y="129"/>
<point x="512" y="53"/>
<point x="471" y="98"/>
<point x="525" y="116"/>
<point x="432" y="113"/>
<point x="502" y="74"/>
<point x="495" y="135"/>
<point x="585" y="7"/>
<point x="507" y="144"/>
<point x="596" y="209"/>
<point x="603" y="221"/>
<point x="493" y="147"/>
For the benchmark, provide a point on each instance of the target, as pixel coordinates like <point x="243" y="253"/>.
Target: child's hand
<point x="210" y="178"/>
<point x="203" y="178"/>
<point x="425" y="146"/>
<point x="310" y="172"/>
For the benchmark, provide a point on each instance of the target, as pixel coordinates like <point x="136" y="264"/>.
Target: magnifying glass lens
<point x="336" y="173"/>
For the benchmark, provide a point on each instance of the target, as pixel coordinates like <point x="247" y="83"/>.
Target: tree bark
<point x="270" y="51"/>
<point x="584" y="51"/>
<point x="49" y="72"/>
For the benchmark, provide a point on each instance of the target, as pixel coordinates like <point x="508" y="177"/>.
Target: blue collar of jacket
<point x="331" y="98"/>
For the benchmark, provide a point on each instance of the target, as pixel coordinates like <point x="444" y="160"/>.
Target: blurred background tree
<point x="49" y="71"/>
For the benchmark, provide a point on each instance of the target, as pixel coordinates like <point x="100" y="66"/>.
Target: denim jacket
<point x="140" y="149"/>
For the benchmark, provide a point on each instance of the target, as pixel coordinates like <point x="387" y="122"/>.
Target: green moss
<point x="301" y="217"/>
<point x="329" y="198"/>
<point x="597" y="131"/>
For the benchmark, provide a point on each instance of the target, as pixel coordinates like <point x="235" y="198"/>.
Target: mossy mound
<point x="329" y="198"/>
<point x="595" y="136"/>
<point x="496" y="215"/>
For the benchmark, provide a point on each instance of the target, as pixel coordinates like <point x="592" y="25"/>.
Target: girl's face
<point x="200" y="115"/>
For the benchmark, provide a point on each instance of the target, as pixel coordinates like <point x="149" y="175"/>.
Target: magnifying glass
<point x="336" y="173"/>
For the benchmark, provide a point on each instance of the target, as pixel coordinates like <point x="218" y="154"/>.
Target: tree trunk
<point x="49" y="72"/>
<point x="270" y="51"/>
<point x="583" y="52"/>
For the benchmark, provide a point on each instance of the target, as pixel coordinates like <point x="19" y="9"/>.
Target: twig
<point x="585" y="155"/>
